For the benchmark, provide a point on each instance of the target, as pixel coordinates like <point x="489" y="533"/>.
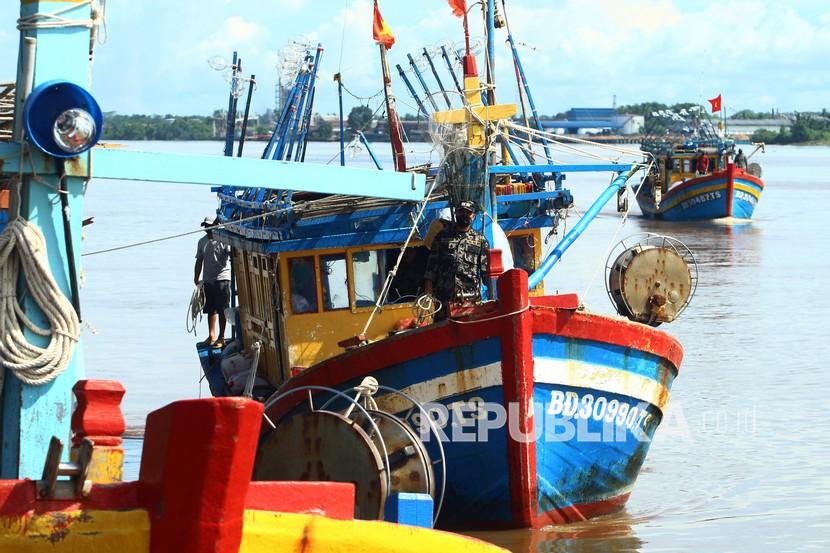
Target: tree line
<point x="813" y="127"/>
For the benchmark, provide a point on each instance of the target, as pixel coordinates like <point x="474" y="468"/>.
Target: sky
<point x="576" y="53"/>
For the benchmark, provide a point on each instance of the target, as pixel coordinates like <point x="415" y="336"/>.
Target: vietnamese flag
<point x="380" y="30"/>
<point x="716" y="103"/>
<point x="459" y="7"/>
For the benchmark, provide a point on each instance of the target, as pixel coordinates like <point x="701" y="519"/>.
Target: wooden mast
<point x="398" y="155"/>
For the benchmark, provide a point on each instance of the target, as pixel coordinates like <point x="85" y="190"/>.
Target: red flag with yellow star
<point x="380" y="30"/>
<point x="716" y="103"/>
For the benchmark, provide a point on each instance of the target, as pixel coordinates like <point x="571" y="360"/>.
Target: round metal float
<point x="326" y="446"/>
<point x="410" y="468"/>
<point x="652" y="278"/>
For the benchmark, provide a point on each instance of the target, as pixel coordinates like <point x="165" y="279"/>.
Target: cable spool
<point x="651" y="279"/>
<point x="375" y="450"/>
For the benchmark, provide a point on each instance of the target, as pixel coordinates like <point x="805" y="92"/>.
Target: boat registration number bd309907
<point x="600" y="408"/>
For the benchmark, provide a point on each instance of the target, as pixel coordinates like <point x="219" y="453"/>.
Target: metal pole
<point x="229" y="124"/>
<point x="309" y="106"/>
<point x="369" y="149"/>
<point x="491" y="52"/>
<point x="526" y="87"/>
<point x="412" y="91"/>
<point x="251" y="84"/>
<point x="554" y="256"/>
<point x="342" y="129"/>
<point x="450" y="68"/>
<point x="423" y="83"/>
<point x="398" y="155"/>
<point x="437" y="78"/>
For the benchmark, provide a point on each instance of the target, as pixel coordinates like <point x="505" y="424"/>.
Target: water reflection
<point x="612" y="533"/>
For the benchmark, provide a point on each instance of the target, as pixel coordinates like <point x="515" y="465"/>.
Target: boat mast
<point x="398" y="155"/>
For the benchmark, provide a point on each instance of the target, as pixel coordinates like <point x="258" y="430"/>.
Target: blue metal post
<point x="422" y="81"/>
<point x="412" y="90"/>
<point x="342" y="129"/>
<point x="526" y="88"/>
<point x="491" y="51"/>
<point x="294" y="106"/>
<point x="299" y="115"/>
<point x="369" y="149"/>
<point x="450" y="68"/>
<point x="33" y="414"/>
<point x="231" y="123"/>
<point x="437" y="78"/>
<point x="554" y="256"/>
<point x="309" y="106"/>
<point x="266" y="154"/>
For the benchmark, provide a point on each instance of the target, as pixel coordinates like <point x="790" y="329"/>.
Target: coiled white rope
<point x="22" y="246"/>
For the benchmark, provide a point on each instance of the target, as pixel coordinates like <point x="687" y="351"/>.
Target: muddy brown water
<point x="740" y="460"/>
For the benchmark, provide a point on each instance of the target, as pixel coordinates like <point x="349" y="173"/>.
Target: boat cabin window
<point x="303" y="285"/>
<point x="335" y="281"/>
<point x="371" y="268"/>
<point x="523" y="248"/>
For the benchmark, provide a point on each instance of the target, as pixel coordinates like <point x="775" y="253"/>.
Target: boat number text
<point x="599" y="408"/>
<point x="701" y="199"/>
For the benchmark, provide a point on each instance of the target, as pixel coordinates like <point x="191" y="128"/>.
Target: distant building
<point x="596" y="120"/>
<point x="748" y="126"/>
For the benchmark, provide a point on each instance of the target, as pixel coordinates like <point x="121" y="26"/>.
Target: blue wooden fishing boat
<point x="194" y="491"/>
<point x="527" y="409"/>
<point x="682" y="186"/>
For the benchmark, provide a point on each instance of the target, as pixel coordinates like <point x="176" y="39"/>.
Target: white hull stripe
<point x="443" y="387"/>
<point x="573" y="373"/>
<point x="586" y="375"/>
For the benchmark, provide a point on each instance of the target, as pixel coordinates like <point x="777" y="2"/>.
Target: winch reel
<point x="362" y="444"/>
<point x="651" y="278"/>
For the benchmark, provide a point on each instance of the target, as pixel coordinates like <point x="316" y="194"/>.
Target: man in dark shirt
<point x="740" y="159"/>
<point x="213" y="264"/>
<point x="458" y="262"/>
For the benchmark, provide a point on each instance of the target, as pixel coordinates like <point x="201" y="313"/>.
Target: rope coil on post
<point x="22" y="246"/>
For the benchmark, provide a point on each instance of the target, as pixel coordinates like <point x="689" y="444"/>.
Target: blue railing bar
<point x="369" y="149"/>
<point x="556" y="254"/>
<point x="559" y="168"/>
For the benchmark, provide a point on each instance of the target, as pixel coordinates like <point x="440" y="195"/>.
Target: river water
<point x="740" y="461"/>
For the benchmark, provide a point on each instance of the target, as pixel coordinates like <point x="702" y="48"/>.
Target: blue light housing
<point x="62" y="119"/>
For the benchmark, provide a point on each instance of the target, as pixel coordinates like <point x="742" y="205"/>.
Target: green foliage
<point x="806" y="128"/>
<point x="360" y="118"/>
<point x="321" y="131"/>
<point x="156" y="127"/>
<point x="749" y="114"/>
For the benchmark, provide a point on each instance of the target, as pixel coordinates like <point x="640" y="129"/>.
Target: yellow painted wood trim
<point x="486" y="113"/>
<point x="266" y="532"/>
<point x="77" y="531"/>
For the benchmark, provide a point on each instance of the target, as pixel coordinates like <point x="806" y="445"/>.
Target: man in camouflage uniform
<point x="458" y="262"/>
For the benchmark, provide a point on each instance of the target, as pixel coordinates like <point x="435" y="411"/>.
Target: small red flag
<point x="459" y="7"/>
<point x="380" y="30"/>
<point x="716" y="102"/>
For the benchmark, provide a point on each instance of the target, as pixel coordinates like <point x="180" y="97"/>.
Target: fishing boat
<point x="523" y="410"/>
<point x="194" y="492"/>
<point x="699" y="177"/>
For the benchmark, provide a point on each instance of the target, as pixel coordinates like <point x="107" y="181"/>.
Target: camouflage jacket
<point x="458" y="261"/>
